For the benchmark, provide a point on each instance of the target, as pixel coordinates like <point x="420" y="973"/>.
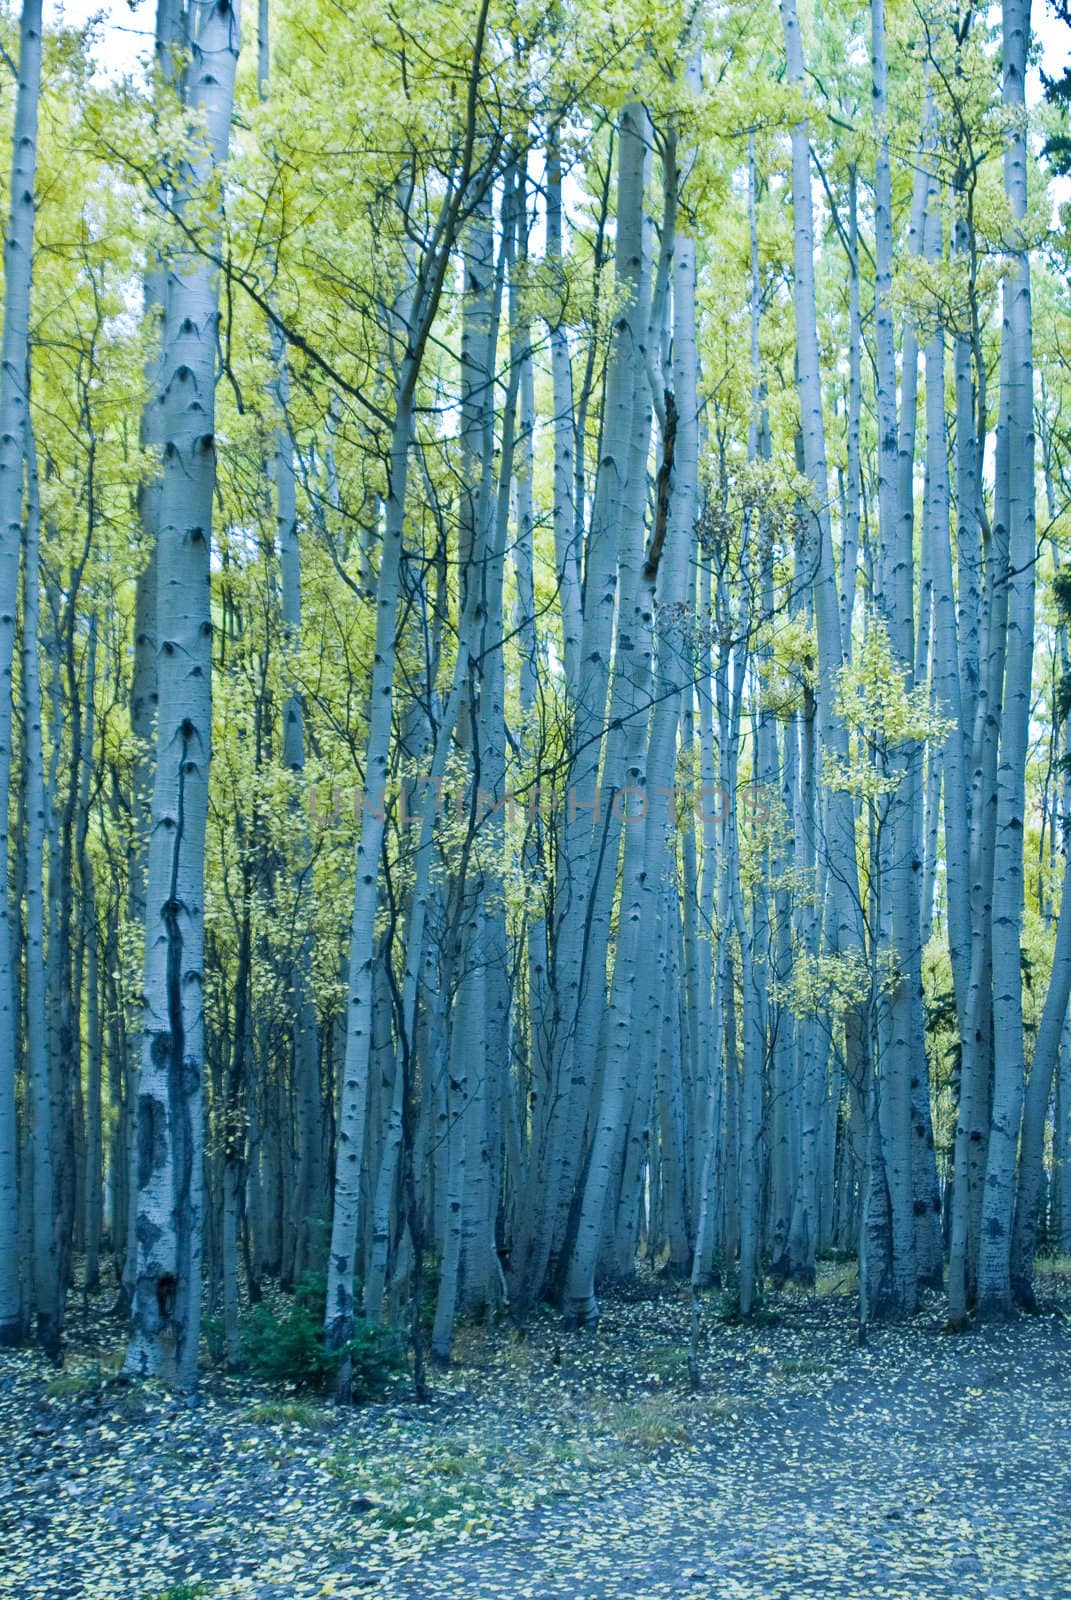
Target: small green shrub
<point x="375" y="1355"/>
<point x="286" y="1346"/>
<point x="761" y="1315"/>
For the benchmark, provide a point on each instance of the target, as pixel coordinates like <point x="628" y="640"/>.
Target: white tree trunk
<point x="14" y="402"/>
<point x="650" y="839"/>
<point x="350" y="1140"/>
<point x="143" y="688"/>
<point x="1061" y="1159"/>
<point x="46" y="1255"/>
<point x="567" y="554"/>
<point x="587" y="852"/>
<point x="310" y="1199"/>
<point x="994" y="1250"/>
<point x="412" y="325"/>
<point x="165" y="1314"/>
<point x="844" y="929"/>
<point x="892" y="1283"/>
<point x="947" y="694"/>
<point x="1036" y="1104"/>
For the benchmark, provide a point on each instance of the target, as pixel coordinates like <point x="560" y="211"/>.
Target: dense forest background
<point x="533" y="661"/>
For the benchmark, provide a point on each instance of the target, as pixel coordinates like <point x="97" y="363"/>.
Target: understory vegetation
<point x="282" y="1342"/>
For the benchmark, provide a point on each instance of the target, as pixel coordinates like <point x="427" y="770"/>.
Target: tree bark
<point x="166" y="1308"/>
<point x="14" y="405"/>
<point x="994" y="1252"/>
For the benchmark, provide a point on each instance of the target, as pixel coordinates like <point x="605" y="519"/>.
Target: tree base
<point x="581" y="1313"/>
<point x="995" y="1309"/>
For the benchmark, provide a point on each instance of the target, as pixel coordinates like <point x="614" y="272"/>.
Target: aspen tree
<point x="166" y="1305"/>
<point x="412" y="330"/>
<point x="584" y="820"/>
<point x="14" y="403"/>
<point x="1017" y="463"/>
<point x="890" y="1176"/>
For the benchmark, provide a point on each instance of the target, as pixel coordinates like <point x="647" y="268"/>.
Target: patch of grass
<point x="424" y="1509"/>
<point x="438" y="1485"/>
<point x="518" y="1356"/>
<point x="837" y="1279"/>
<point x="345" y="1469"/>
<point x="1053" y="1266"/>
<point x="795" y="1289"/>
<point x="194" y="1590"/>
<point x="76" y="1382"/>
<point x="456" y="1464"/>
<point x="667" y="1362"/>
<point x="648" y="1423"/>
<point x="441" y="1492"/>
<point x="570" y="1454"/>
<point x="300" y="1412"/>
<point x="724" y="1405"/>
<point x="803" y="1367"/>
<point x="73" y="1385"/>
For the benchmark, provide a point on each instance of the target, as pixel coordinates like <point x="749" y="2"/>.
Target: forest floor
<point x="566" y="1467"/>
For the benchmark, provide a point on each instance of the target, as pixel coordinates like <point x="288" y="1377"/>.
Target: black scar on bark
<point x="166" y="1287"/>
<point x="148" y="1233"/>
<point x="152" y="1127"/>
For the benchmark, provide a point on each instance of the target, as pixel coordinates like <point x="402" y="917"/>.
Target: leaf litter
<point x="556" y="1465"/>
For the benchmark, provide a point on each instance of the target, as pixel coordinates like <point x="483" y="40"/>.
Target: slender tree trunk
<point x="586" y="826"/>
<point x="709" y="962"/>
<point x="666" y="565"/>
<point x="1061" y="1160"/>
<point x="46" y="1253"/>
<point x="849" y="555"/>
<point x="567" y="554"/>
<point x="899" y="1050"/>
<point x="143" y="684"/>
<point x="414" y="328"/>
<point x="14" y="403"/>
<point x="1036" y="1105"/>
<point x="166" y="1306"/>
<point x="94" y="1137"/>
<point x="994" y="1252"/>
<point x="310" y="1188"/>
<point x="948" y="699"/>
<point x="844" y="931"/>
